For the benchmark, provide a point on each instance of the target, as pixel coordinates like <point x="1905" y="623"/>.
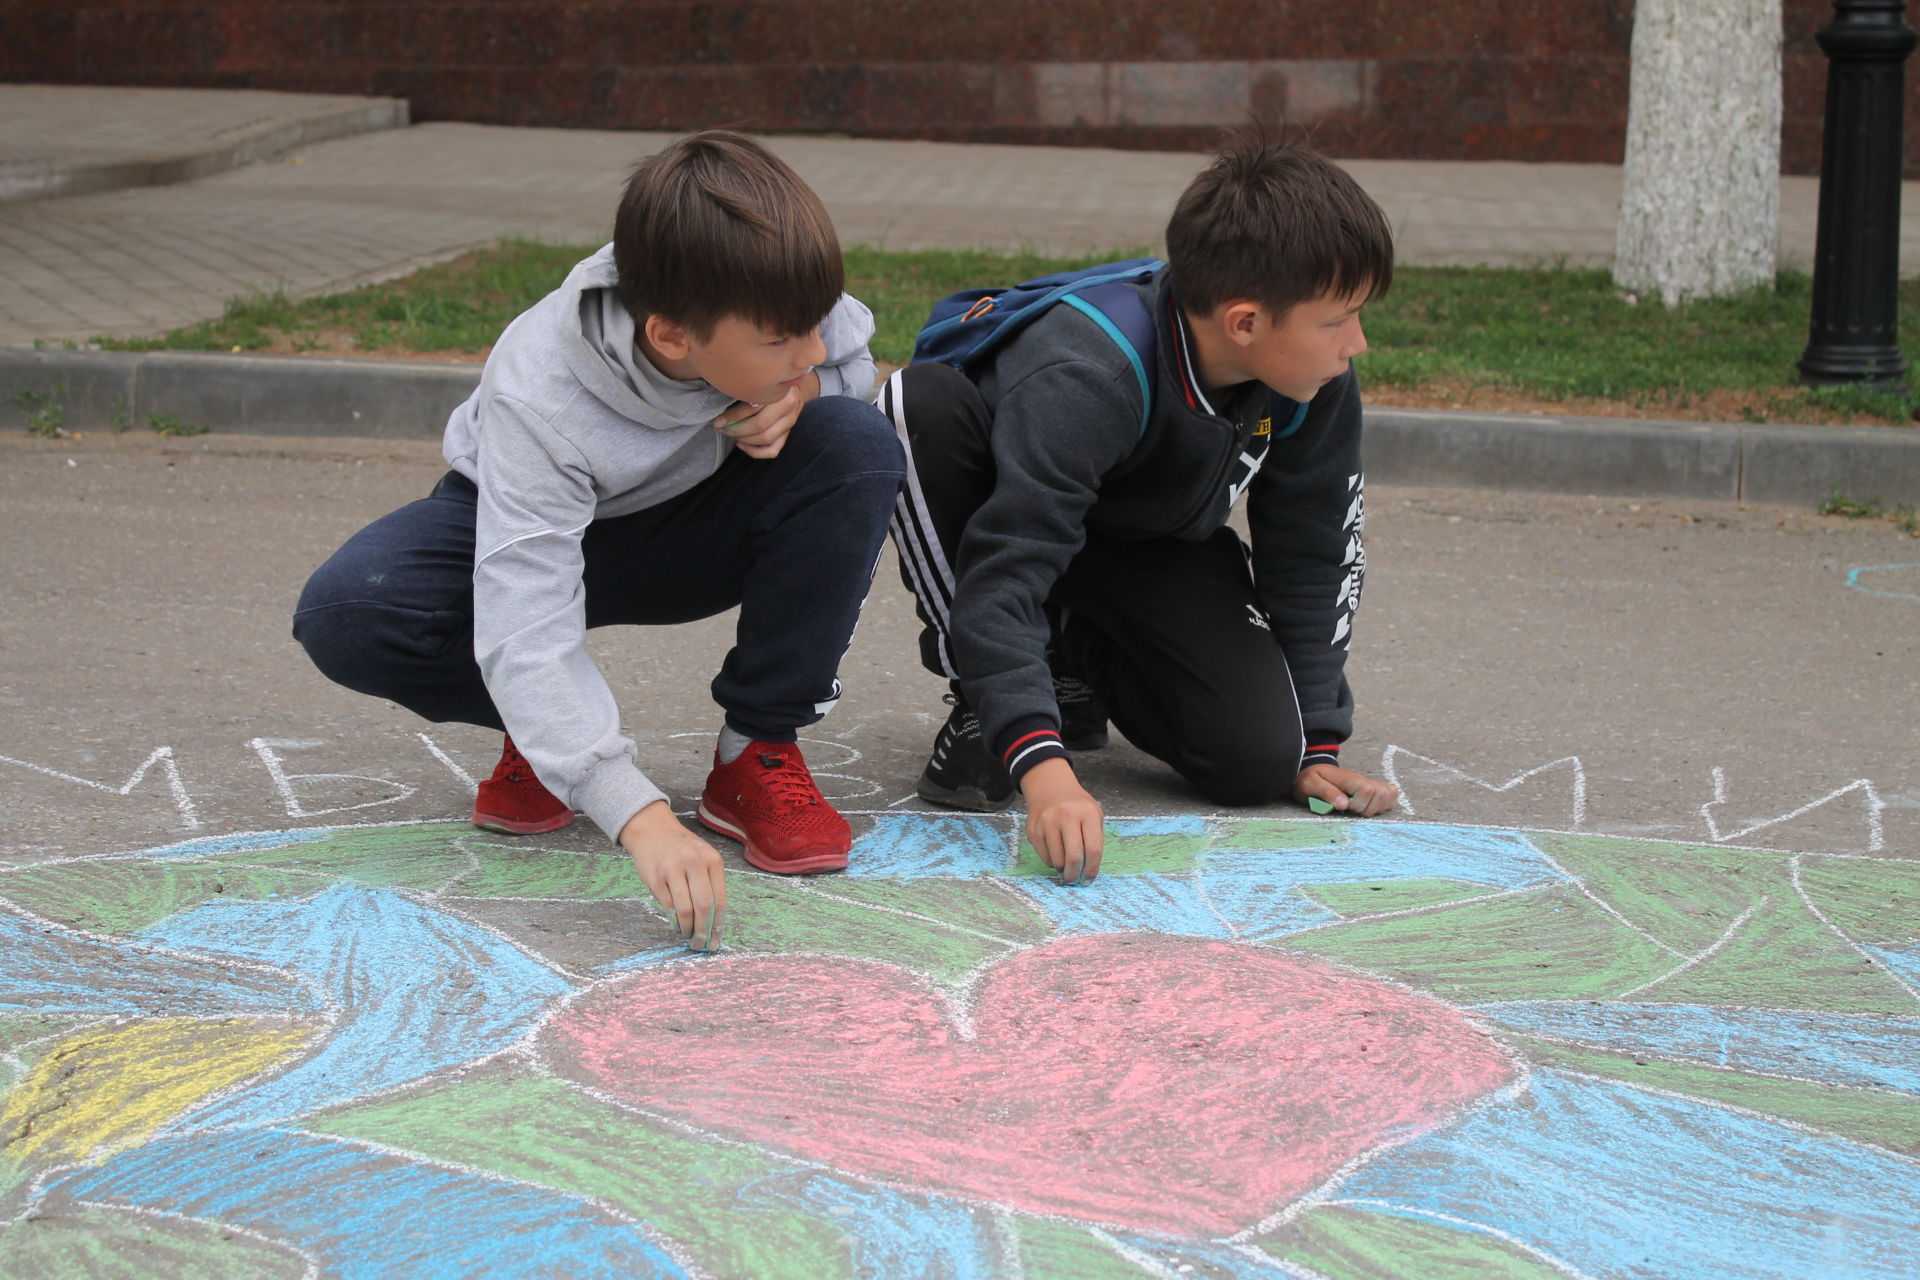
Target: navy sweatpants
<point x="792" y="539"/>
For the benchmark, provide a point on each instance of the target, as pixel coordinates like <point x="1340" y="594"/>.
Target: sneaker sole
<point x="758" y="858"/>
<point x="972" y="799"/>
<point x="487" y="822"/>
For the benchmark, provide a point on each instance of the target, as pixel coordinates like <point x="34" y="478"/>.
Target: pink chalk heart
<point x="1162" y="1083"/>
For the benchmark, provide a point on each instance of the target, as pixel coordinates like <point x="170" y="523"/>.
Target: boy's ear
<point x="1240" y="320"/>
<point x="667" y="337"/>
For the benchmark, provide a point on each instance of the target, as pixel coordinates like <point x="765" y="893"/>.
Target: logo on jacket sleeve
<point x="1355" y="560"/>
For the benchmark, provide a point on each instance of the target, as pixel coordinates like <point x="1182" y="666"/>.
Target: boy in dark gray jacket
<point x="679" y="428"/>
<point x="1070" y="563"/>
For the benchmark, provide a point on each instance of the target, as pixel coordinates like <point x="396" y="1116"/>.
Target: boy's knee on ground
<point x="1240" y="770"/>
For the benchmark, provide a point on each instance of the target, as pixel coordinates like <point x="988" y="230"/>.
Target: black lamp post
<point x="1856" y="258"/>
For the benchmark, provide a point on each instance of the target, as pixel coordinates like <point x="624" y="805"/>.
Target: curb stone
<point x="260" y="395"/>
<point x="410" y="400"/>
<point x="1730" y="462"/>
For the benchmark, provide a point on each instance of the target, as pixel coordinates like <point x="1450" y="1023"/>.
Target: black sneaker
<point x="963" y="773"/>
<point x="1083" y="720"/>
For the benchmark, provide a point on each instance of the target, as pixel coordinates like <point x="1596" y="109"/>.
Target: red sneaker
<point x="766" y="800"/>
<point x="514" y="803"/>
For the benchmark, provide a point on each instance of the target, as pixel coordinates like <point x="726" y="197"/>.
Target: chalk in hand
<point x="1318" y="805"/>
<point x="725" y="424"/>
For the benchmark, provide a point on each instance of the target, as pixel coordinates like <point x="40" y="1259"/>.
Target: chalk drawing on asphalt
<point x="160" y="756"/>
<point x="1577" y="780"/>
<point x="454" y="767"/>
<point x="1875" y="833"/>
<point x="1891" y="581"/>
<point x="1253" y="1047"/>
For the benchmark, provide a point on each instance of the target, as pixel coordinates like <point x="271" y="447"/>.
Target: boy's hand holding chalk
<point x="1327" y="788"/>
<point x="761" y="429"/>
<point x="683" y="872"/>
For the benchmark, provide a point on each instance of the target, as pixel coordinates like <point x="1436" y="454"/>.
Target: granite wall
<point x="1472" y="79"/>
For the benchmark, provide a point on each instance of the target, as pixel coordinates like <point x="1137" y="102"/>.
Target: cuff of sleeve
<point x="613" y="793"/>
<point x="1026" y="742"/>
<point x="1321" y="753"/>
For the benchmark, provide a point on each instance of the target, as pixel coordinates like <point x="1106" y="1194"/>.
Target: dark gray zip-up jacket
<point x="1071" y="454"/>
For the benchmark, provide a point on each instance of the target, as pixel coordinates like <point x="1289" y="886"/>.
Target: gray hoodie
<point x="571" y="424"/>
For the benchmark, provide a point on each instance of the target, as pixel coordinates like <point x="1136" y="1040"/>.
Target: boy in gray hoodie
<point x="679" y="428"/>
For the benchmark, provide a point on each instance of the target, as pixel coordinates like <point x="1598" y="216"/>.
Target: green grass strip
<point x="1548" y="333"/>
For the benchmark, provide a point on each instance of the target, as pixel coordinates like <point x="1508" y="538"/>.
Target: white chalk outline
<point x="1876" y="833"/>
<point x="265" y="748"/>
<point x="1406" y="802"/>
<point x="1793" y="874"/>
<point x="1691" y="961"/>
<point x="453" y="766"/>
<point x="164" y="755"/>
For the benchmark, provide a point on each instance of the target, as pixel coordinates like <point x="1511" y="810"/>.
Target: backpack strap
<point x="1123" y="316"/>
<point x="966" y="328"/>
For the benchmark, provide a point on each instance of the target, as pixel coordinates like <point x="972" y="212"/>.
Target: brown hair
<point x="715" y="226"/>
<point x="1278" y="223"/>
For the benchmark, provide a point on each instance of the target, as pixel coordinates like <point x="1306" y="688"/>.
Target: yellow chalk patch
<point x="105" y="1089"/>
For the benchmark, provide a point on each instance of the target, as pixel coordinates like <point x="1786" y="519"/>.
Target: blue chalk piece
<point x="1836" y="1048"/>
<point x="385" y="966"/>
<point x="367" y="1215"/>
<point x="1619" y="1181"/>
<point x="890" y="1233"/>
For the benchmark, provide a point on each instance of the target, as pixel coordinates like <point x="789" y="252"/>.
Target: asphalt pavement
<point x="1653" y="641"/>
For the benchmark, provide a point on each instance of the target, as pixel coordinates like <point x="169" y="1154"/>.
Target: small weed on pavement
<point x="1904" y="518"/>
<point x="169" y="424"/>
<point x="45" y="415"/>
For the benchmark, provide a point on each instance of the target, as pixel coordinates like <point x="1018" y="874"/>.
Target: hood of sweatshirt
<point x="605" y="356"/>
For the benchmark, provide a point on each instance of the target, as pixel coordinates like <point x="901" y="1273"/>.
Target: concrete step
<point x="63" y="140"/>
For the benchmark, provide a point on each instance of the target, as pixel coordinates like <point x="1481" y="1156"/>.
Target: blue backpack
<point x="966" y="328"/>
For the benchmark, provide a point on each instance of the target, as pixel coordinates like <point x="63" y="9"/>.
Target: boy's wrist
<point x="653" y="820"/>
<point x="1027" y="742"/>
<point x="1321" y="753"/>
<point x="1052" y="774"/>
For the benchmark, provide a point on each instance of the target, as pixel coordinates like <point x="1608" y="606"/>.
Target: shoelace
<point x="788" y="779"/>
<point x="968" y="726"/>
<point x="513" y="766"/>
<point x="1071" y="689"/>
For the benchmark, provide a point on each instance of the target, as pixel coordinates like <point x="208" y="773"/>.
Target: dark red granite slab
<point x="1489" y="79"/>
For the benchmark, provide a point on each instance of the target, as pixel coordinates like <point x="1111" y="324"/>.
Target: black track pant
<point x="1167" y="632"/>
